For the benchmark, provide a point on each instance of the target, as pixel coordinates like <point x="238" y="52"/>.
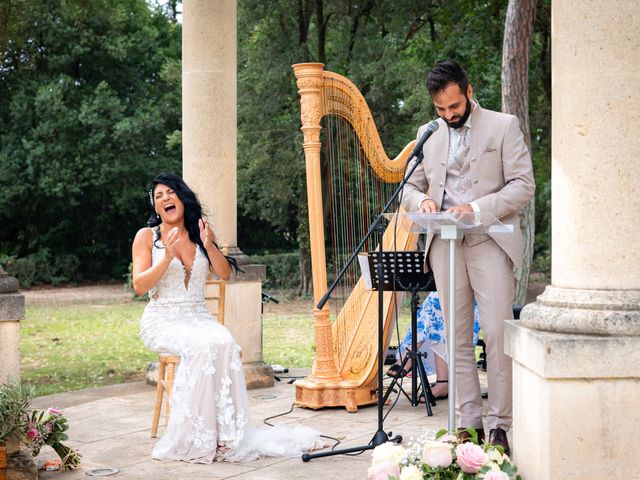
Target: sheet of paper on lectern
<point x="501" y="228"/>
<point x="363" y="260"/>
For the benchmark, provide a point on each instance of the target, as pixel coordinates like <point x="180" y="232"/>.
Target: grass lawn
<point x="66" y="348"/>
<point x="70" y="347"/>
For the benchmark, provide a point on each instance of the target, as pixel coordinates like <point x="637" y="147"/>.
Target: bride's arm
<point x="145" y="275"/>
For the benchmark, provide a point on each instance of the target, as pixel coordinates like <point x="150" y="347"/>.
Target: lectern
<point x="452" y="227"/>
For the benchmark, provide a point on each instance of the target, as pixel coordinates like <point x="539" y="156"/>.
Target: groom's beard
<point x="461" y="120"/>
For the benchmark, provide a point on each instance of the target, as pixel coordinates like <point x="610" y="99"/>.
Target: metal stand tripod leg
<point x="417" y="367"/>
<point x="429" y="399"/>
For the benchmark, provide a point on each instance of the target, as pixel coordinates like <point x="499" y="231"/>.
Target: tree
<point x="90" y="111"/>
<point x="87" y="100"/>
<point x="385" y="48"/>
<point x="518" y="31"/>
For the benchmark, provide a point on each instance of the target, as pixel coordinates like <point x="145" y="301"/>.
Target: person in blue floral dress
<point x="431" y="340"/>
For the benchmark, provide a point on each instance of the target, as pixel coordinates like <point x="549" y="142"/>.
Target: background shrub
<point x="283" y="269"/>
<point x="43" y="267"/>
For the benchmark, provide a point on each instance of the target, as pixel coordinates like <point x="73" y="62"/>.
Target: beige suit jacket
<point x="501" y="173"/>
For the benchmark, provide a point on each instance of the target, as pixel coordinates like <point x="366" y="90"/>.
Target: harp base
<point x="316" y="394"/>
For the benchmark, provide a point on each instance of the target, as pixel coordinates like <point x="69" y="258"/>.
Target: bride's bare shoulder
<point x="144" y="237"/>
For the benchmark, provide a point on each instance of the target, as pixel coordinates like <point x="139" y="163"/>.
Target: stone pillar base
<point x="594" y="312"/>
<point x="20" y="466"/>
<point x="575" y="404"/>
<point x="243" y="310"/>
<point x="258" y="375"/>
<point x="11" y="312"/>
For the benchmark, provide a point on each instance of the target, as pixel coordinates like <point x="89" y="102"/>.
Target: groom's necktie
<point x="462" y="148"/>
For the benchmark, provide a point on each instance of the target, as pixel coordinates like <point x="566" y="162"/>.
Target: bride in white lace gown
<point x="209" y="405"/>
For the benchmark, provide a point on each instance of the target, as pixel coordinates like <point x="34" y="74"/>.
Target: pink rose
<point x="54" y="411"/>
<point x="470" y="457"/>
<point x="382" y="471"/>
<point x="494" y="475"/>
<point x="32" y="434"/>
<point x="437" y="454"/>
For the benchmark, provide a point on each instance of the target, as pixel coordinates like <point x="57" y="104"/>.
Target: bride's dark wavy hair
<point x="193" y="212"/>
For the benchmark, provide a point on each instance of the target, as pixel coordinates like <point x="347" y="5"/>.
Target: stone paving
<point x="111" y="426"/>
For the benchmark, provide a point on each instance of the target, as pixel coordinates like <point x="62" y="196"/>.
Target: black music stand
<point x="404" y="271"/>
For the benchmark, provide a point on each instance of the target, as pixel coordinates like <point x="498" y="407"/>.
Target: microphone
<point x="432" y="126"/>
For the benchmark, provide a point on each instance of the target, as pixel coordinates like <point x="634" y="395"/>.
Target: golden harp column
<point x="310" y="81"/>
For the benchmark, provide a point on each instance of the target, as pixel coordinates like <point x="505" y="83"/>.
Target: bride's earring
<point x="157" y="216"/>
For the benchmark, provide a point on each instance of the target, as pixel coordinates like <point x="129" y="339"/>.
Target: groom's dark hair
<point x="444" y="73"/>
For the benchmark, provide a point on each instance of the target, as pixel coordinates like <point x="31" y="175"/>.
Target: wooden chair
<point x="215" y="296"/>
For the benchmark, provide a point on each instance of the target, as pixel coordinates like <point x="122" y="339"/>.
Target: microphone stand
<point x="380" y="436"/>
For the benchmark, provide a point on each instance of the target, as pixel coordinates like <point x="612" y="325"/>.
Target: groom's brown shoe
<point x="498" y="436"/>
<point x="464" y="436"/>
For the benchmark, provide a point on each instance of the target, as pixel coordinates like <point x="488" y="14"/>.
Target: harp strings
<point x="353" y="197"/>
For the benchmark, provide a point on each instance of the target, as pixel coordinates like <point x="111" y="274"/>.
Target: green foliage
<point x="543" y="217"/>
<point x="14" y="402"/>
<point x="283" y="269"/>
<point x="88" y="99"/>
<point x="386" y="49"/>
<point x="43" y="267"/>
<point x="90" y="103"/>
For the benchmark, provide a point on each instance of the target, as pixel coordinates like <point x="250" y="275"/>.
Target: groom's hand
<point x="466" y="208"/>
<point x="428" y="206"/>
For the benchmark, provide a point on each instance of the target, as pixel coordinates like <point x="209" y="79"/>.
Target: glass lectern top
<point x="470" y="223"/>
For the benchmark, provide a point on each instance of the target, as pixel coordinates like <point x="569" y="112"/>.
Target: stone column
<point x="20" y="465"/>
<point x="209" y="113"/>
<point x="11" y="312"/>
<point x="209" y="143"/>
<point x="576" y="351"/>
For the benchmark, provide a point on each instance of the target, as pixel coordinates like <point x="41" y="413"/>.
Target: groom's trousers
<point x="485" y="271"/>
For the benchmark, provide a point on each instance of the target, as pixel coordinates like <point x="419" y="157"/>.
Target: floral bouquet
<point x="441" y="459"/>
<point x="47" y="427"/>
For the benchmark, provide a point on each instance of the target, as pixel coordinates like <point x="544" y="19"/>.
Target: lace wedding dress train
<point x="209" y="403"/>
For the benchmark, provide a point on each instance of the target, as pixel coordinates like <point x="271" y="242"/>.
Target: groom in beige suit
<point x="476" y="161"/>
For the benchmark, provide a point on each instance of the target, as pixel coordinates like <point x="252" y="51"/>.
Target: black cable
<point x="265" y="421"/>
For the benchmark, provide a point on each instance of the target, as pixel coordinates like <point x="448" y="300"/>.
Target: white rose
<point x="437" y="454"/>
<point x="496" y="456"/>
<point x="387" y="452"/>
<point x="496" y="475"/>
<point x="411" y="472"/>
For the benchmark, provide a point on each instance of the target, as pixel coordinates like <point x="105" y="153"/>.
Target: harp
<point x="349" y="179"/>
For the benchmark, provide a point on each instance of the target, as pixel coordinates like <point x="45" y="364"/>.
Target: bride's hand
<point x="171" y="243"/>
<point x="206" y="234"/>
